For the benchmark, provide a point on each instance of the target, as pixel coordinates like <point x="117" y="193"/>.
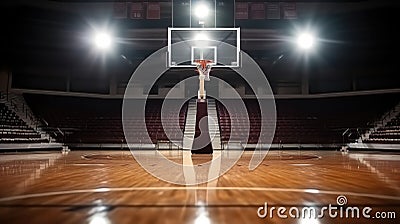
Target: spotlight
<point x="201" y="36"/>
<point x="201" y="10"/>
<point x="305" y="41"/>
<point x="102" y="40"/>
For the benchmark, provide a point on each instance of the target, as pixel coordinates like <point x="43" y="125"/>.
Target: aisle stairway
<point x="190" y="125"/>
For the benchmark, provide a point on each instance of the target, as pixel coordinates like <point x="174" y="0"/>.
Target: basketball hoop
<point x="203" y="68"/>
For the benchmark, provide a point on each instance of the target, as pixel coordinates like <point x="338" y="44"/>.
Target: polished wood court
<point x="111" y="187"/>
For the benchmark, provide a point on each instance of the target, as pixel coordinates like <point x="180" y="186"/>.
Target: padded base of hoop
<point x="202" y="142"/>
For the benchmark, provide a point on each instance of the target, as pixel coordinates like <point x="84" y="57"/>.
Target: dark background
<point x="46" y="44"/>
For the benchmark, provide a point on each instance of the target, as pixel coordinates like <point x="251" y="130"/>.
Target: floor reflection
<point x="28" y="167"/>
<point x="99" y="214"/>
<point x="384" y="161"/>
<point x="202" y="216"/>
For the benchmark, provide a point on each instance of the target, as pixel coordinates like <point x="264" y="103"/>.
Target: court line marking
<point x="121" y="189"/>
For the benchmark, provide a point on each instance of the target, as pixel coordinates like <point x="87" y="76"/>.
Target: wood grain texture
<point x="111" y="187"/>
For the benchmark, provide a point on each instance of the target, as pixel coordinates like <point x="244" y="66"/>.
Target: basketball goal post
<point x="203" y="67"/>
<point x="198" y="38"/>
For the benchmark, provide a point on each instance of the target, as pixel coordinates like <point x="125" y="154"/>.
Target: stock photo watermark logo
<point x="154" y="162"/>
<point x="339" y="210"/>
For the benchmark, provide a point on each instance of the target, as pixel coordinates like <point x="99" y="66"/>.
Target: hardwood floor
<point x="111" y="187"/>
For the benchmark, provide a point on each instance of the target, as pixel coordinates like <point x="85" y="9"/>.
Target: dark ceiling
<point x="52" y="37"/>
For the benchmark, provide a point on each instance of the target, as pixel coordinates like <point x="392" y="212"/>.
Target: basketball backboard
<point x="220" y="45"/>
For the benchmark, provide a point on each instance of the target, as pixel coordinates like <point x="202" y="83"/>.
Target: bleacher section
<point x="389" y="134"/>
<point x="311" y="121"/>
<point x="15" y="130"/>
<point x="89" y="120"/>
<point x="154" y="125"/>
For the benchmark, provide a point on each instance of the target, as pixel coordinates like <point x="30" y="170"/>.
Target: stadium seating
<point x="314" y="121"/>
<point x="390" y="133"/>
<point x="15" y="130"/>
<point x="86" y="120"/>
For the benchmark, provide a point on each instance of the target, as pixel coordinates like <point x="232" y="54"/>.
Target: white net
<point x="204" y="71"/>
